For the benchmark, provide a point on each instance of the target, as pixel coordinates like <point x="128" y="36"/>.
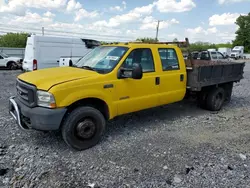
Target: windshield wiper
<point x="88" y="68"/>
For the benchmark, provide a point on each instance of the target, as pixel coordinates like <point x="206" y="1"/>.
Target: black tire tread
<point x="211" y="97"/>
<point x="69" y="122"/>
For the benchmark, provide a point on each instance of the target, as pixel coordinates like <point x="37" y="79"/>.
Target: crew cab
<point x="113" y="80"/>
<point x="10" y="62"/>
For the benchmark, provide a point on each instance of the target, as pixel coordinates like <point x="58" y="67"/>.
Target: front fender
<point x="72" y="97"/>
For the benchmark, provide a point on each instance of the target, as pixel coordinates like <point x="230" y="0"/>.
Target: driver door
<point x="134" y="95"/>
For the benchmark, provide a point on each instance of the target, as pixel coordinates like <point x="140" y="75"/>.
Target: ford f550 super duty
<point x="113" y="80"/>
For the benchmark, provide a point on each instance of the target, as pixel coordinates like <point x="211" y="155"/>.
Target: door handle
<point x="157" y="81"/>
<point x="182" y="77"/>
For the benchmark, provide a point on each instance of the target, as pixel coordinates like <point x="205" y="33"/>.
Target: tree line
<point x="14" y="40"/>
<point x="18" y="40"/>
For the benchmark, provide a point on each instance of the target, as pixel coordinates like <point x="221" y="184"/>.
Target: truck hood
<point x="44" y="79"/>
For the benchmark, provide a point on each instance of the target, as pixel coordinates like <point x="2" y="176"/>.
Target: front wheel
<point x="83" y="128"/>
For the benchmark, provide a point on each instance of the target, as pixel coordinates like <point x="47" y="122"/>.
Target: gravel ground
<point x="178" y="145"/>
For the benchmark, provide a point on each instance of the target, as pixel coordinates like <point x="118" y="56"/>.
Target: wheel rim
<point x="218" y="100"/>
<point x="85" y="129"/>
<point x="12" y="67"/>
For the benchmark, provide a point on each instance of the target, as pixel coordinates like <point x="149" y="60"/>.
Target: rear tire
<point x="11" y="66"/>
<point x="215" y="99"/>
<point x="83" y="128"/>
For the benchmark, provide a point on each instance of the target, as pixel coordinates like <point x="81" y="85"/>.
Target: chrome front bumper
<point x="15" y="112"/>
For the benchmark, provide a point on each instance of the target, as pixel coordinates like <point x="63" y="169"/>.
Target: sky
<point x="125" y="20"/>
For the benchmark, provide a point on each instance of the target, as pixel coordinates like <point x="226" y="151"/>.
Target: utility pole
<point x="157" y="30"/>
<point x="43" y="31"/>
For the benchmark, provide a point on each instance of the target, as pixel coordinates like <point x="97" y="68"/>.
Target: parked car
<point x="208" y="55"/>
<point x="45" y="52"/>
<point x="113" y="80"/>
<point x="10" y="62"/>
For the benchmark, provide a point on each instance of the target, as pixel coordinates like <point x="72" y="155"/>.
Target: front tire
<point x="83" y="128"/>
<point x="215" y="99"/>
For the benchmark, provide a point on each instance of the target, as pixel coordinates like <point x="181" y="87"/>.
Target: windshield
<point x="102" y="59"/>
<point x="235" y="50"/>
<point x="4" y="55"/>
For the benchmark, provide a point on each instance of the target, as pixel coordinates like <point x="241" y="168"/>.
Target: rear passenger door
<point x="172" y="76"/>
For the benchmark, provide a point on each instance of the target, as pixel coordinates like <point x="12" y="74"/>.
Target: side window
<point x="195" y="55"/>
<point x="214" y="55"/>
<point x="220" y="56"/>
<point x="204" y="56"/>
<point x="142" y="56"/>
<point x="1" y="57"/>
<point x="169" y="59"/>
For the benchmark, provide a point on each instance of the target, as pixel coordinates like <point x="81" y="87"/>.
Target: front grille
<point x="232" y="55"/>
<point x="26" y="93"/>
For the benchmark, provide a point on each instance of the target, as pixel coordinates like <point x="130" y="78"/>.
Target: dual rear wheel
<point x="214" y="98"/>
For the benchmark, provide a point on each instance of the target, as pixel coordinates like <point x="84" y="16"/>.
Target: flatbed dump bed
<point x="201" y="73"/>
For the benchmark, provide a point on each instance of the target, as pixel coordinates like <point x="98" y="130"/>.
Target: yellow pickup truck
<point x="113" y="80"/>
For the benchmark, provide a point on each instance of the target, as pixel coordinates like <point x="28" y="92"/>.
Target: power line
<point x="62" y="32"/>
<point x="59" y="31"/>
<point x="5" y="31"/>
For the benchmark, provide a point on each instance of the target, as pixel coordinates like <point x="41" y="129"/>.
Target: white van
<point x="237" y="52"/>
<point x="45" y="52"/>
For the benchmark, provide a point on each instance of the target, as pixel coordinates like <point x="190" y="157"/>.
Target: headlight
<point x="45" y="99"/>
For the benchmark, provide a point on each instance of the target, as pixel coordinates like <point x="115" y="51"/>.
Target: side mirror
<point x="135" y="72"/>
